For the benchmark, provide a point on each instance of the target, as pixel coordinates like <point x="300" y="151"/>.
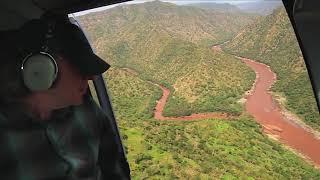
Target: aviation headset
<point x="39" y="69"/>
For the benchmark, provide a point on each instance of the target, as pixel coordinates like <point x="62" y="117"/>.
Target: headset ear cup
<point x="39" y="71"/>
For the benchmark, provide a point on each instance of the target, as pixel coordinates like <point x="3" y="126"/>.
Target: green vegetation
<point x="166" y="44"/>
<point x="213" y="82"/>
<point x="133" y="96"/>
<point x="206" y="149"/>
<point x="169" y="45"/>
<point x="271" y="40"/>
<point x="133" y="23"/>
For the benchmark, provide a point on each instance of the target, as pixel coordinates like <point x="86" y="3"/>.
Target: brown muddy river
<point x="265" y="110"/>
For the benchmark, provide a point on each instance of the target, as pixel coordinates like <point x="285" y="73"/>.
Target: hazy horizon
<point x="181" y="2"/>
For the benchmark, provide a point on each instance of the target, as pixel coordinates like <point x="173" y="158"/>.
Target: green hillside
<point x="223" y="7"/>
<point x="131" y="96"/>
<point x="206" y="149"/>
<point x="214" y="82"/>
<point x="133" y="23"/>
<point x="272" y="41"/>
<point x="168" y="44"/>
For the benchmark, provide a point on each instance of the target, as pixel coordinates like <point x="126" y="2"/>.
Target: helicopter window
<point x="208" y="90"/>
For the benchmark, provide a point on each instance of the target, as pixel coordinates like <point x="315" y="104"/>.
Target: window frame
<point x="303" y="18"/>
<point x="100" y="86"/>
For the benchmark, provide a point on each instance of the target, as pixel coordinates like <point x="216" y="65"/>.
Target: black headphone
<point x="39" y="69"/>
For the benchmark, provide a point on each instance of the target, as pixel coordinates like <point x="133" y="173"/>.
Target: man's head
<point x="51" y="59"/>
<point x="68" y="90"/>
<point x="41" y="41"/>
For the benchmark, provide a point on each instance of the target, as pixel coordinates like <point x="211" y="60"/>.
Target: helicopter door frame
<point x="305" y="20"/>
<point x="104" y="100"/>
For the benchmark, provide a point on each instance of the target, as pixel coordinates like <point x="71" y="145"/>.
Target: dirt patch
<point x="216" y="48"/>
